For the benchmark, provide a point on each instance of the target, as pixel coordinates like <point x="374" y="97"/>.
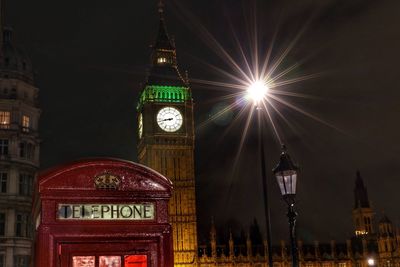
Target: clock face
<point x="169" y="119"/>
<point x="140" y="125"/>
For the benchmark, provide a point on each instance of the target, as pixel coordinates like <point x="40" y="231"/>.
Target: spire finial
<point x="283" y="148"/>
<point x="161" y="7"/>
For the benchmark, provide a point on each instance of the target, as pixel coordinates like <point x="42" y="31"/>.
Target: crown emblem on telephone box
<point x="107" y="181"/>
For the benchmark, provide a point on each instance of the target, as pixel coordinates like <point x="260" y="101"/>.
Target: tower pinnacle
<point x="160" y="8"/>
<point x="360" y="193"/>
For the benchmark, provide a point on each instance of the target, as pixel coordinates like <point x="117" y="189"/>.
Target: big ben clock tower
<point x="166" y="140"/>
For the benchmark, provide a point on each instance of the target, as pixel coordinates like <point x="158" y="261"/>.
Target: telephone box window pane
<point x="136" y="261"/>
<point x="83" y="261"/>
<point x="110" y="261"/>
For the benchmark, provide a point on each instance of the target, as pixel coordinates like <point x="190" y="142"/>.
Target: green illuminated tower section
<point x="166" y="140"/>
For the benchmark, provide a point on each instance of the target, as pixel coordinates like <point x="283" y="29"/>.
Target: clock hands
<point x="168" y="119"/>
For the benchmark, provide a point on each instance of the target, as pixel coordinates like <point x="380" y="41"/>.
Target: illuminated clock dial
<point x="140" y="125"/>
<point x="169" y="119"/>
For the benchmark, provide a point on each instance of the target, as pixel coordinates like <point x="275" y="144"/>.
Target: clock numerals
<point x="169" y="119"/>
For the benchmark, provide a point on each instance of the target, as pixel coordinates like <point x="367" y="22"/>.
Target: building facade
<point x="19" y="151"/>
<point x="166" y="140"/>
<point x="371" y="245"/>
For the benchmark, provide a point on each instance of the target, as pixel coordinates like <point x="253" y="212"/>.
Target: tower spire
<point x="163" y="41"/>
<point x="161" y="8"/>
<point x="360" y="193"/>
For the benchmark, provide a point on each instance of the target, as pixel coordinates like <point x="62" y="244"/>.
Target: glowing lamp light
<point x="371" y="262"/>
<point x="257" y="91"/>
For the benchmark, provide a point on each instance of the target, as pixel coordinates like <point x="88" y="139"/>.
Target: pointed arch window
<point x="161" y="60"/>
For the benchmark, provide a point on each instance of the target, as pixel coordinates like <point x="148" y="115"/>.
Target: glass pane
<point x="136" y="261"/>
<point x="110" y="261"/>
<point x="83" y="261"/>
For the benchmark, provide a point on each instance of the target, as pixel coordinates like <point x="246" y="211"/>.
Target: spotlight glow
<point x="257" y="91"/>
<point x="371" y="262"/>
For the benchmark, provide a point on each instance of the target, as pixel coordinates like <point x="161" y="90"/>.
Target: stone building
<point x="19" y="150"/>
<point x="370" y="246"/>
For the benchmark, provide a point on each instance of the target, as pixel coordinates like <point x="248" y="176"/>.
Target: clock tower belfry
<point x="166" y="140"/>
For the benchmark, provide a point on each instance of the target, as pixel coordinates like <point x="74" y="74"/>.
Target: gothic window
<point x="26" y="123"/>
<point x="2" y="224"/>
<point x="5" y="119"/>
<point x="22" y="225"/>
<point x="3" y="182"/>
<point x="161" y="60"/>
<point x="25" y="184"/>
<point x="21" y="261"/>
<point x="3" y="146"/>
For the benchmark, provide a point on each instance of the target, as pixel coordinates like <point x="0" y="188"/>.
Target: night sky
<point x="91" y="56"/>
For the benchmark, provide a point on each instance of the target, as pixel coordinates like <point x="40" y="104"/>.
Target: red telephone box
<point x="102" y="213"/>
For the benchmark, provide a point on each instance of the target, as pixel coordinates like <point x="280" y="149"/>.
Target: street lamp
<point x="286" y="176"/>
<point x="257" y="92"/>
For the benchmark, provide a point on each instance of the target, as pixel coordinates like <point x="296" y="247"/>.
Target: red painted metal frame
<point x="56" y="240"/>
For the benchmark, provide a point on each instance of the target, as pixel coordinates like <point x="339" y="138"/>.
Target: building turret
<point x="284" y="255"/>
<point x="231" y="246"/>
<point x="349" y="249"/>
<point x="386" y="238"/>
<point x="333" y="249"/>
<point x="249" y="247"/>
<point x="362" y="212"/>
<point x="317" y="252"/>
<point x="213" y="240"/>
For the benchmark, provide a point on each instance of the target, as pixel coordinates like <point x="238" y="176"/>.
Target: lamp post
<point x="256" y="92"/>
<point x="286" y="176"/>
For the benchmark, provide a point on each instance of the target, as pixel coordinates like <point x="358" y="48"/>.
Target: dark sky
<point x="91" y="56"/>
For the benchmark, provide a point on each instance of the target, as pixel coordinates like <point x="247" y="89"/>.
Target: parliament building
<point x="166" y="143"/>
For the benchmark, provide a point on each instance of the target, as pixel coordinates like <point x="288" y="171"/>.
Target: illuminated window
<point x="361" y="232"/>
<point x="110" y="261"/>
<point x="161" y="60"/>
<point x="5" y="119"/>
<point x="2" y="224"/>
<point x="25" y="184"/>
<point x="3" y="146"/>
<point x="83" y="261"/>
<point x="25" y="123"/>
<point x="342" y="264"/>
<point x="3" y="183"/>
<point x="136" y="261"/>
